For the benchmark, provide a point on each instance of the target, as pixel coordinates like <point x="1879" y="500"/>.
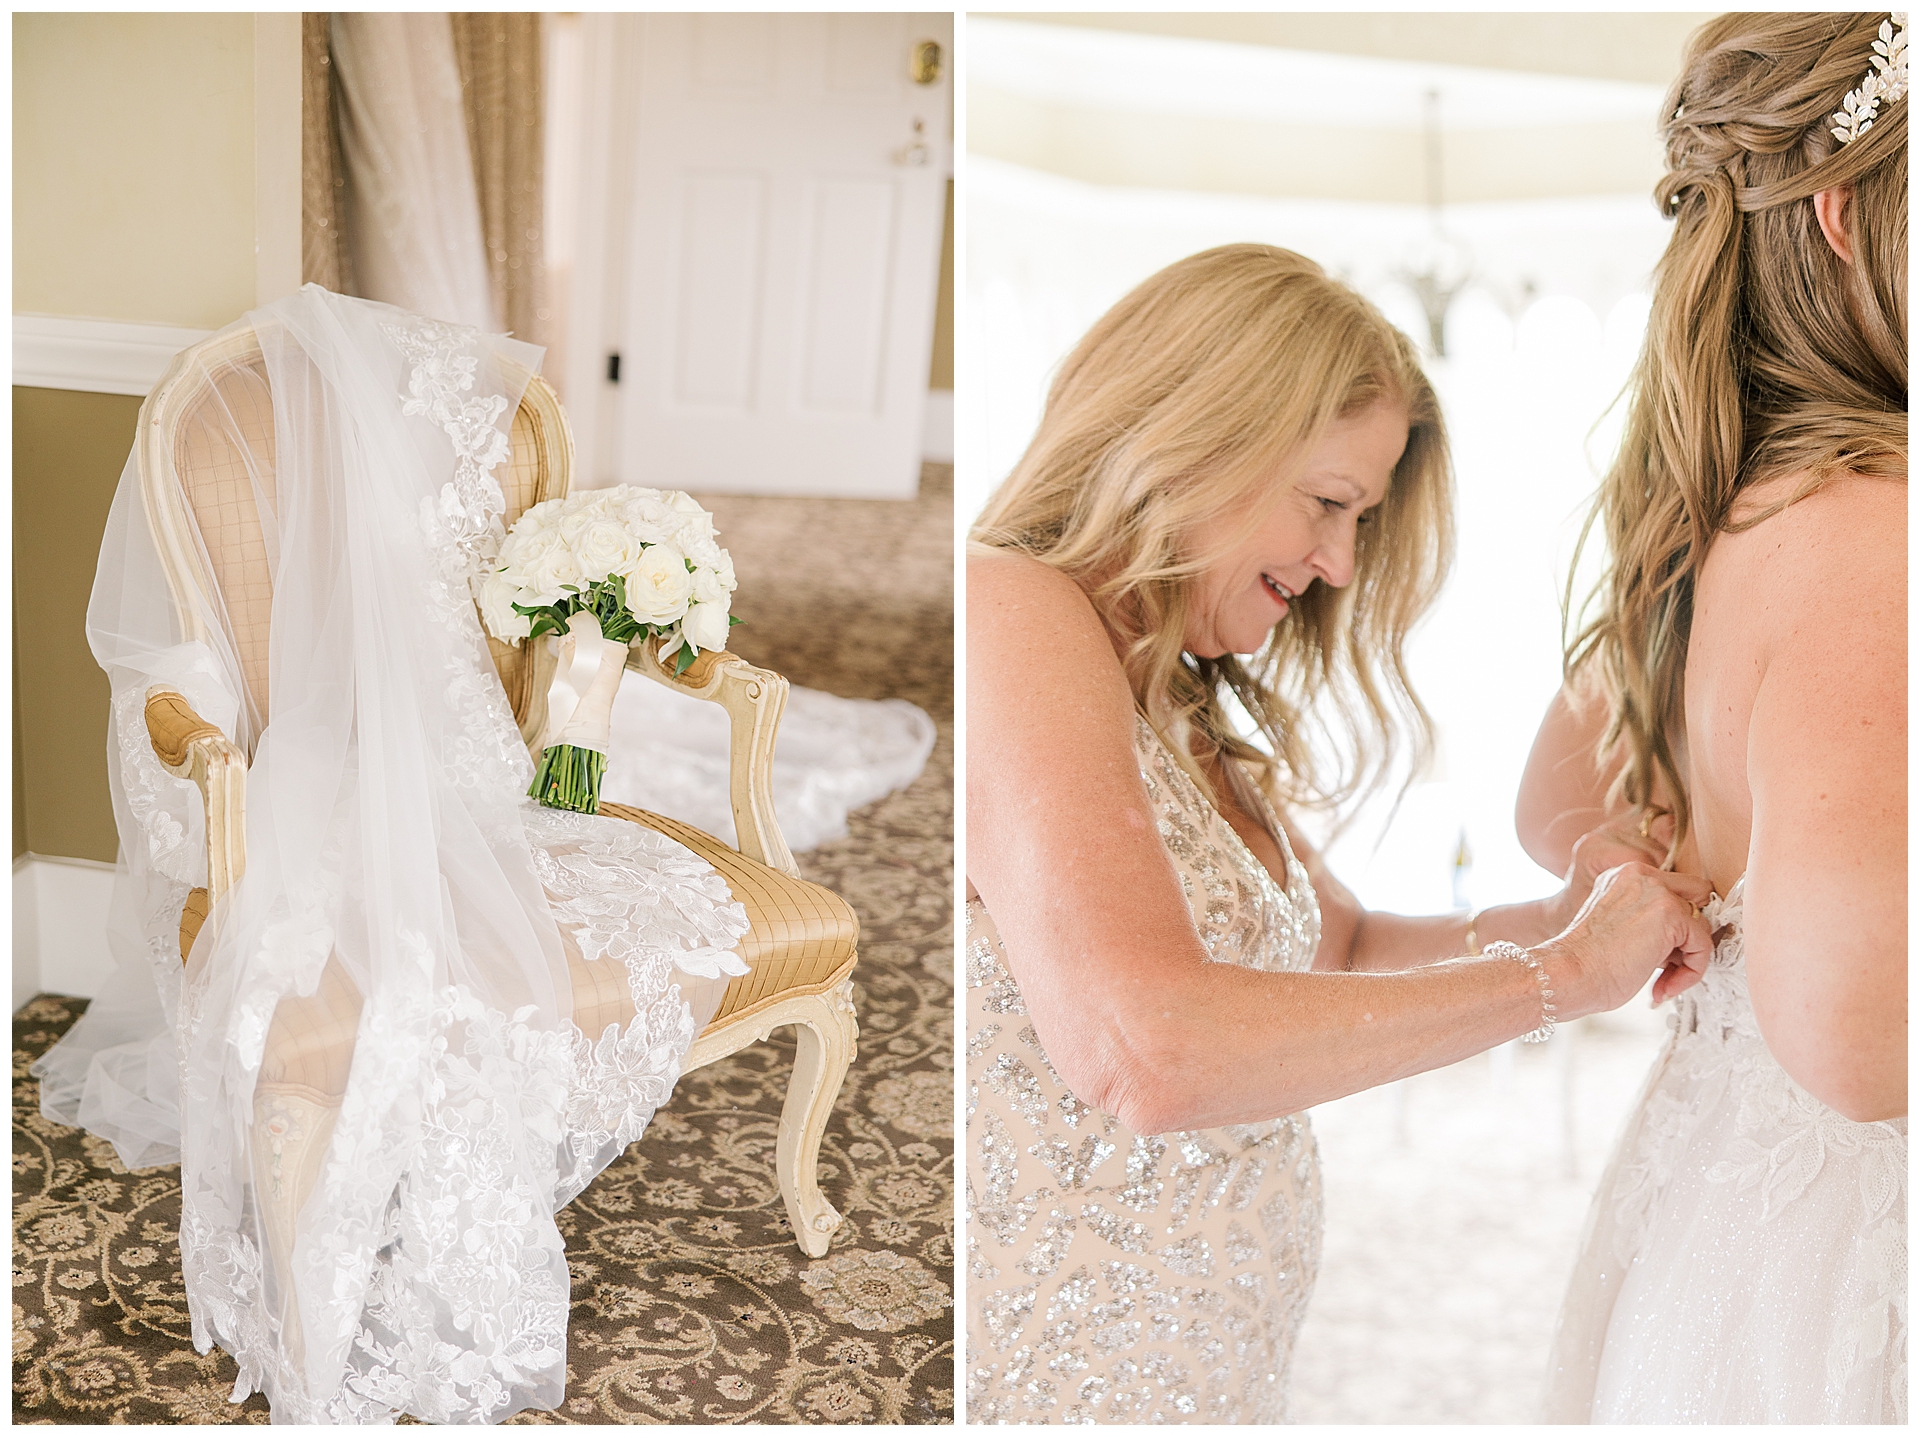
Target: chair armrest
<point x="754" y="700"/>
<point x="190" y="747"/>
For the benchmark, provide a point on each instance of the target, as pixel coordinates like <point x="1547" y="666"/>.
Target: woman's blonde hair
<point x="1766" y="355"/>
<point x="1185" y="403"/>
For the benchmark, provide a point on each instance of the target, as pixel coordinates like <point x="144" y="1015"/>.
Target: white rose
<point x="497" y="597"/>
<point x="541" y="516"/>
<point x="604" y="547"/>
<point x="659" y="586"/>
<point x="705" y="626"/>
<point x="573" y="521"/>
<point x="684" y="503"/>
<point x="708" y="589"/>
<point x="548" y="568"/>
<point x="649" y="520"/>
<point x="700" y="548"/>
<point x="725" y="570"/>
<point x="699" y="523"/>
<point x="524" y="543"/>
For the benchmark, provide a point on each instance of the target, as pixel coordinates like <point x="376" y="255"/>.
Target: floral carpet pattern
<point x="691" y="1302"/>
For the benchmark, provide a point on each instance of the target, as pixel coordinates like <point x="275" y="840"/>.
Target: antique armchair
<point x="803" y="943"/>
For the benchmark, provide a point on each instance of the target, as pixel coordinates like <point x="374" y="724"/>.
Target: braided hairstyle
<point x="1766" y="355"/>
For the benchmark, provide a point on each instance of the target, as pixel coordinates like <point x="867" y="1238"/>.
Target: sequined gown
<point x="1115" y="1276"/>
<point x="1745" y="1259"/>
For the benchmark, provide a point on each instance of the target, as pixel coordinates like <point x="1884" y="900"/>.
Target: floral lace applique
<point x="438" y="1282"/>
<point x="1784" y="1139"/>
<point x="445" y="358"/>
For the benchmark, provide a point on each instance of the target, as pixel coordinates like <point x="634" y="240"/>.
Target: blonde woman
<point x="1241" y="459"/>
<point x="1746" y="1259"/>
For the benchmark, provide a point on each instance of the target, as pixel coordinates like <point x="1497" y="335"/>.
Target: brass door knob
<point x="925" y="67"/>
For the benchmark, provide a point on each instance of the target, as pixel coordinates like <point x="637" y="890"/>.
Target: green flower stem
<point x="569" y="778"/>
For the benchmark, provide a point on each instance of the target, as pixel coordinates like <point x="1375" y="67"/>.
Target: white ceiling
<point x="1327" y="106"/>
<point x="1159" y="74"/>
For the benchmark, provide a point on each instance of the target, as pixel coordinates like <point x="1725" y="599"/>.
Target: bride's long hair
<point x="1766" y="355"/>
<point x="1182" y="405"/>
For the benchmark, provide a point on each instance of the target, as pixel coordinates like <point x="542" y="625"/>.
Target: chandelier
<point x="1438" y="266"/>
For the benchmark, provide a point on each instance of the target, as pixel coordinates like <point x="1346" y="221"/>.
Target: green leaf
<point x="731" y="621"/>
<point x="683" y="660"/>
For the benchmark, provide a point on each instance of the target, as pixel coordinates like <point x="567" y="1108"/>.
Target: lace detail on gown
<point x="427" y="1273"/>
<point x="1746" y="1256"/>
<point x="1127" y="1277"/>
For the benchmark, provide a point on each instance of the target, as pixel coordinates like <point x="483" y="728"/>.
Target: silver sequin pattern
<point x="1116" y="1276"/>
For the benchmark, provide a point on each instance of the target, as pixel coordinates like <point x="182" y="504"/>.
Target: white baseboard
<point x="60" y="926"/>
<point x="936" y="444"/>
<point x="97" y="356"/>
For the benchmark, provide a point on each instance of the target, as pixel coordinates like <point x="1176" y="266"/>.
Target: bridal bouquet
<point x="603" y="568"/>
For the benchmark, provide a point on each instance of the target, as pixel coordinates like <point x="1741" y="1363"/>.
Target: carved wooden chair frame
<point x="804" y="942"/>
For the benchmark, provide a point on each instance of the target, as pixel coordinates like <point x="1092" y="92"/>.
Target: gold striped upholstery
<point x="310" y="1042"/>
<point x="222" y="426"/>
<point x="803" y="935"/>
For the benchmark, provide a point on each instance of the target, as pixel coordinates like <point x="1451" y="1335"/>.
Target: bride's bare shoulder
<point x="1826" y="558"/>
<point x="1849" y="515"/>
<point x="1814" y="598"/>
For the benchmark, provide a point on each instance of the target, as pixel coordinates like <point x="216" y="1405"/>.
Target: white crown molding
<point x="97" y="356"/>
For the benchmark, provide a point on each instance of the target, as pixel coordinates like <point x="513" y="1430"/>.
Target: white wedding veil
<point x="393" y="865"/>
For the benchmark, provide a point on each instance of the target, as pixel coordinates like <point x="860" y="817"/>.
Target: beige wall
<point x="133" y="156"/>
<point x="133" y="200"/>
<point x="68" y="450"/>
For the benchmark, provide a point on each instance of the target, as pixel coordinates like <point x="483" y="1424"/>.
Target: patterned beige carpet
<point x="690" y="1301"/>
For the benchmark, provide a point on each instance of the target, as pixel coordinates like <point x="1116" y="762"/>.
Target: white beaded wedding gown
<point x="1745" y="1259"/>
<point x="1126" y="1277"/>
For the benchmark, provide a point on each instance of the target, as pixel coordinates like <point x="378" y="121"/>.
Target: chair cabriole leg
<point x="826" y="1031"/>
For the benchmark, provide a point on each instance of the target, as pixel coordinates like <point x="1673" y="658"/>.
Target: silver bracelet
<point x="1532" y="960"/>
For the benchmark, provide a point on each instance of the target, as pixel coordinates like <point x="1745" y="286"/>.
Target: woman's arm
<point x="1563" y="791"/>
<point x="1362" y="940"/>
<point x="1825" y="913"/>
<point x="1063" y="849"/>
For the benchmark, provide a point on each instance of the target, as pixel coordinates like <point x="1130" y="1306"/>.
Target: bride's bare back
<point x="1796" y="770"/>
<point x="1794" y="758"/>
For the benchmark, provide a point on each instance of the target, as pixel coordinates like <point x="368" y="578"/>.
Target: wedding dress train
<point x="1133" y="1277"/>
<point x="668" y="754"/>
<point x="1745" y="1259"/>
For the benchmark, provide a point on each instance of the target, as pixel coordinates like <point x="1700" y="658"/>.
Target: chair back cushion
<point x="218" y="421"/>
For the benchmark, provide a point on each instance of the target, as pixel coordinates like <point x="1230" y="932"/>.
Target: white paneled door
<point x="783" y="251"/>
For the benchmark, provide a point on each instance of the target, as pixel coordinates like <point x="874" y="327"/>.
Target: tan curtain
<point x="502" y="77"/>
<point x="323" y="241"/>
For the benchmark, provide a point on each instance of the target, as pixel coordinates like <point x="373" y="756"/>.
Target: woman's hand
<point x="1643" y="836"/>
<point x="1635" y="921"/>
